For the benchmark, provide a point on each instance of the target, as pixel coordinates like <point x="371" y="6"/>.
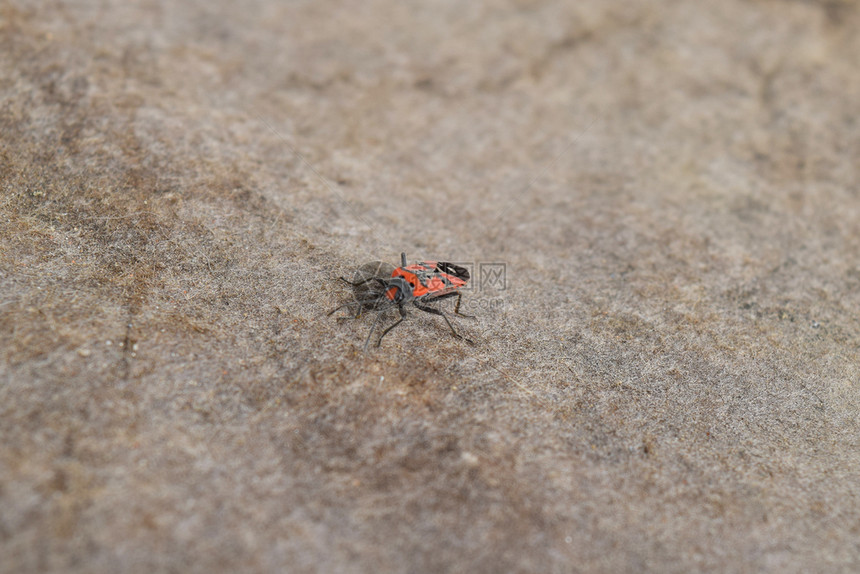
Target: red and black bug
<point x="421" y="284"/>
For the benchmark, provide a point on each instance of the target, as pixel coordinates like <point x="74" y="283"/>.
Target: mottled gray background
<point x="669" y="383"/>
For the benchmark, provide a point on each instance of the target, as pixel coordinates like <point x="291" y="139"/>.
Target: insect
<point x="421" y="284"/>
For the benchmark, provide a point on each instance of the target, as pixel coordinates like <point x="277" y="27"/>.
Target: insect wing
<point x="439" y="278"/>
<point x="453" y="272"/>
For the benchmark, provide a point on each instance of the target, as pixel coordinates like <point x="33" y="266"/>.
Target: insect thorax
<point x="399" y="290"/>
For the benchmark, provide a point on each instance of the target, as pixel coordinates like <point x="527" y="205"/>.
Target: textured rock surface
<point x="672" y="384"/>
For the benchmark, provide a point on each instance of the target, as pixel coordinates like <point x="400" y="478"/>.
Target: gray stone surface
<point x="671" y="384"/>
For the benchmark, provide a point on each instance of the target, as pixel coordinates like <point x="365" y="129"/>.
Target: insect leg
<point x="363" y="281"/>
<point x="457" y="308"/>
<point x="385" y="332"/>
<point x="361" y="303"/>
<point x="330" y="313"/>
<point x="372" y="327"/>
<point x="433" y="311"/>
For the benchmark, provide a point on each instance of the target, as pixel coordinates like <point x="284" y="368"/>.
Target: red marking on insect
<point x="430" y="279"/>
<point x="420" y="284"/>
